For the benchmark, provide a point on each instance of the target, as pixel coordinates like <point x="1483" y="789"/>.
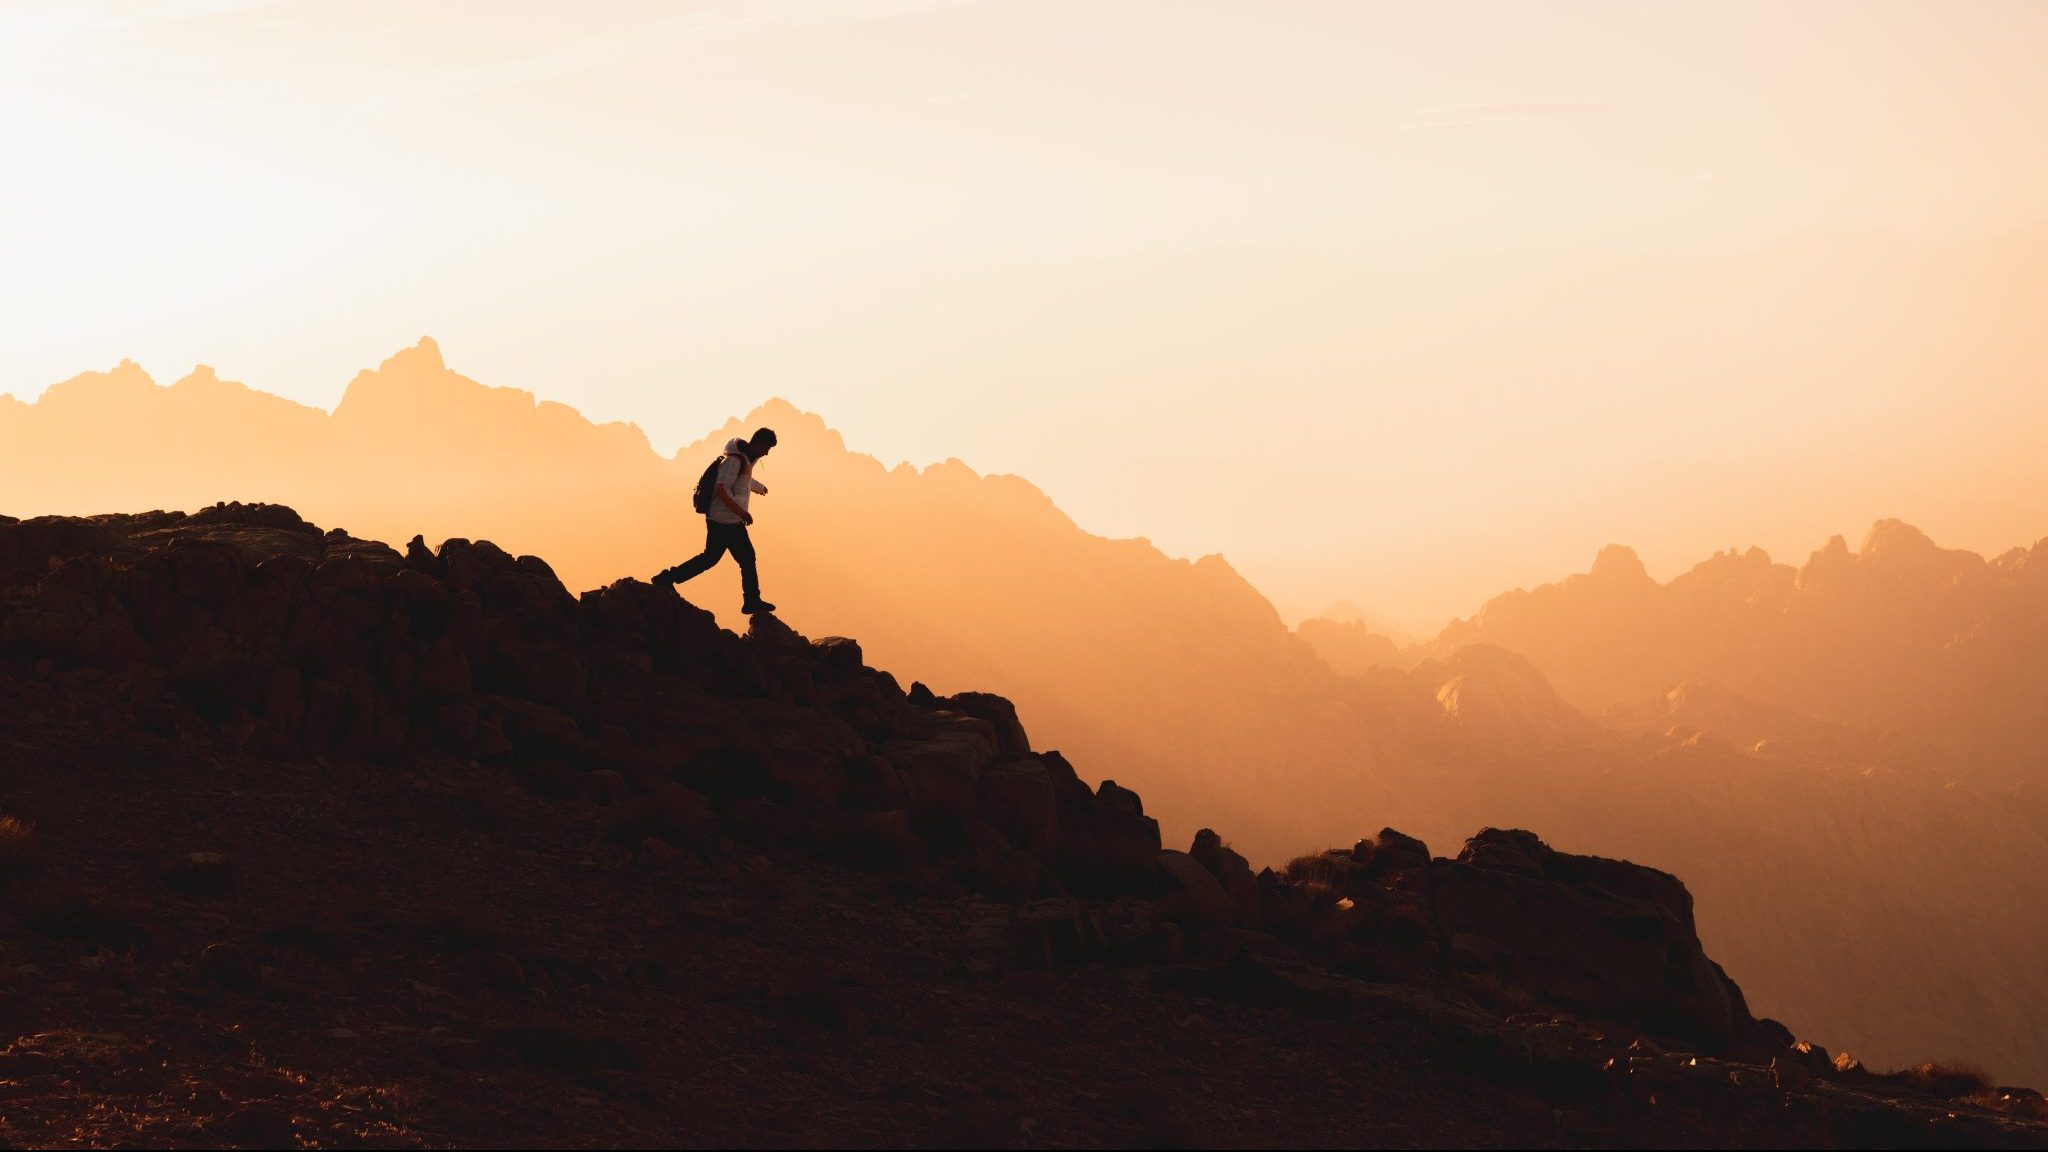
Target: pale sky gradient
<point x="1477" y="287"/>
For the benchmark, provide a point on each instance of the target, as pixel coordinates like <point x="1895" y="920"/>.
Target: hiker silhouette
<point x="722" y="495"/>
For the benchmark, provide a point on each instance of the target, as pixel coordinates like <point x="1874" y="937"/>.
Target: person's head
<point x="759" y="444"/>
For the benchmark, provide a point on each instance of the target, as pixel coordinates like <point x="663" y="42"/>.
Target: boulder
<point x="1391" y="851"/>
<point x="837" y="656"/>
<point x="942" y="770"/>
<point x="1603" y="937"/>
<point x="465" y="566"/>
<point x="1231" y="870"/>
<point x="769" y="632"/>
<point x="941" y="776"/>
<point x="1193" y="897"/>
<point x="1107" y="843"/>
<point x="1514" y="851"/>
<point x="998" y="713"/>
<point x="1017" y="799"/>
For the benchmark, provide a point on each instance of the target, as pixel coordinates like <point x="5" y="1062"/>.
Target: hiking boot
<point x="666" y="578"/>
<point x="754" y="606"/>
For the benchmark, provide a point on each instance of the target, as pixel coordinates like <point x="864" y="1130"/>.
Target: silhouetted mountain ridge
<point x="305" y="676"/>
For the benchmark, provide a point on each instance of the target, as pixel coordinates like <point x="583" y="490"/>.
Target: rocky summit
<point x="307" y="841"/>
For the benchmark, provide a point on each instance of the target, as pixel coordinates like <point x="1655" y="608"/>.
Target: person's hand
<point x="750" y="519"/>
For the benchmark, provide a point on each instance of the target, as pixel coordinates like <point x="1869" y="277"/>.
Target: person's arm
<point x="726" y="499"/>
<point x="759" y="488"/>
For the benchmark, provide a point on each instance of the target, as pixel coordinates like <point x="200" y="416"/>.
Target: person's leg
<point x="742" y="546"/>
<point x="714" y="551"/>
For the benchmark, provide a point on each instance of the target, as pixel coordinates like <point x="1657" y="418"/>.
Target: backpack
<point x="707" y="486"/>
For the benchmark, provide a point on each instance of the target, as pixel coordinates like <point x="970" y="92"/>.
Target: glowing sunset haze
<point x="1476" y="288"/>
<point x="1329" y="574"/>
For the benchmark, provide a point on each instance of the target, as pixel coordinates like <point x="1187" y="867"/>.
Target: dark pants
<point x="718" y="540"/>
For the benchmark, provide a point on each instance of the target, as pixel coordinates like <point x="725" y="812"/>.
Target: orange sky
<point x="1399" y="304"/>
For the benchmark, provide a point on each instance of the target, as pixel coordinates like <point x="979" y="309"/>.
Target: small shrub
<point x="1944" y="1080"/>
<point x="2022" y="1102"/>
<point x="21" y="850"/>
<point x="1315" y="871"/>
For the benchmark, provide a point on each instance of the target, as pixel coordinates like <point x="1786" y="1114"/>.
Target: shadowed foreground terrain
<point x="303" y="839"/>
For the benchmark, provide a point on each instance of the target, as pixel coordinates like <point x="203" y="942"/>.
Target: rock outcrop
<point x="250" y="627"/>
<point x="244" y="634"/>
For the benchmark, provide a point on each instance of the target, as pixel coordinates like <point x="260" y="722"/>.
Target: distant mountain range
<point x="1879" y="716"/>
<point x="1844" y="760"/>
<point x="1938" y="651"/>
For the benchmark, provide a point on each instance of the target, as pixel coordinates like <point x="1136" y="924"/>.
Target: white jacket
<point x="735" y="479"/>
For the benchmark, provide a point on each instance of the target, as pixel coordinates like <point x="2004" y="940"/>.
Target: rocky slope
<point x="312" y="840"/>
<point x="1189" y="678"/>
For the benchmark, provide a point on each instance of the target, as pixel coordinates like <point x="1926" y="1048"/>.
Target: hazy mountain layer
<point x="1874" y="717"/>
<point x="1940" y="652"/>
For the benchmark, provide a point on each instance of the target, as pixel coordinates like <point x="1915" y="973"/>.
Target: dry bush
<point x="1314" y="871"/>
<point x="1946" y="1080"/>
<point x="1310" y="906"/>
<point x="21" y="850"/>
<point x="2022" y="1102"/>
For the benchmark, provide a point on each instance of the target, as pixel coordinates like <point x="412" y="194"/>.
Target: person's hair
<point x="763" y="438"/>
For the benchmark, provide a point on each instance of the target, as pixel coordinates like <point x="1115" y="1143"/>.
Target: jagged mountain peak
<point x="414" y="397"/>
<point x="782" y="414"/>
<point x="1618" y="563"/>
<point x="798" y="430"/>
<point x="1889" y="539"/>
<point x="1498" y="694"/>
<point x="125" y="379"/>
<point x="423" y="356"/>
<point x="408" y="375"/>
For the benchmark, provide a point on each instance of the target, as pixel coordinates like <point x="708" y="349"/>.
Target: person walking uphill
<point x="722" y="496"/>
